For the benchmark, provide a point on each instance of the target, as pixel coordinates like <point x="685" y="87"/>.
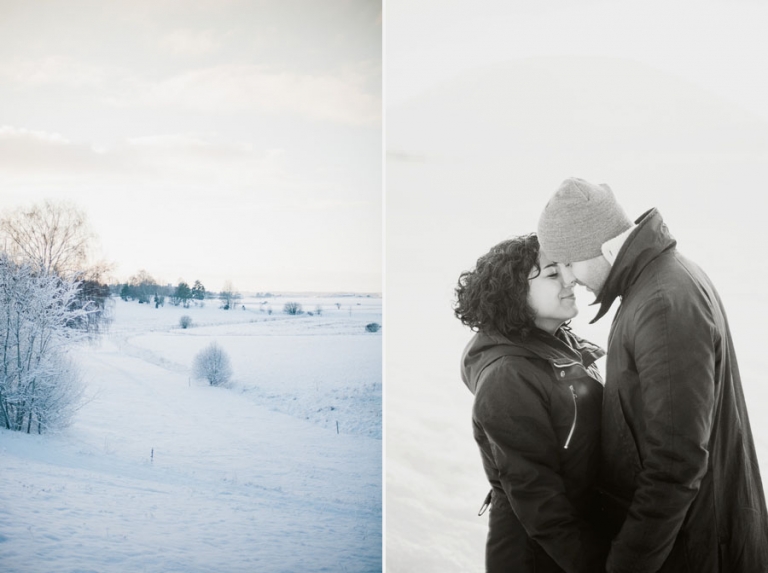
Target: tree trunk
<point x="4" y="411"/>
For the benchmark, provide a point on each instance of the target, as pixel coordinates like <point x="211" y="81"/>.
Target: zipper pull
<point x="575" y="415"/>
<point x="486" y="503"/>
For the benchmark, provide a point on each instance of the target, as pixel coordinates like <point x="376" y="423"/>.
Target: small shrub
<point x="212" y="364"/>
<point x="185" y="321"/>
<point x="373" y="327"/>
<point x="292" y="308"/>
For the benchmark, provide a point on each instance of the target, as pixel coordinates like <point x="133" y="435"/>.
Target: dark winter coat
<point x="678" y="456"/>
<point x="536" y="419"/>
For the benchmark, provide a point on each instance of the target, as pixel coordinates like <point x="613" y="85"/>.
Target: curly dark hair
<point x="493" y="297"/>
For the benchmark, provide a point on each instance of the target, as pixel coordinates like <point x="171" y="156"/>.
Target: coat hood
<point x="563" y="348"/>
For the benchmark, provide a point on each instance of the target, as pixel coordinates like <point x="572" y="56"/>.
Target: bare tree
<point x="54" y="237"/>
<point x="212" y="364"/>
<point x="143" y="287"/>
<point x="229" y="295"/>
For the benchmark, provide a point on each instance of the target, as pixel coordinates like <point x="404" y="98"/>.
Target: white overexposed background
<point x="487" y="110"/>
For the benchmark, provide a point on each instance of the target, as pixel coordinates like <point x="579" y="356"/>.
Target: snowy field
<point x="162" y="473"/>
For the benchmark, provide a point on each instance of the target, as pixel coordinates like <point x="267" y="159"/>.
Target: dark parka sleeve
<point x="674" y="354"/>
<point x="511" y="409"/>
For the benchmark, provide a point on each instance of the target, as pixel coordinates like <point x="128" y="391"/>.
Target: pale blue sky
<point x="212" y="140"/>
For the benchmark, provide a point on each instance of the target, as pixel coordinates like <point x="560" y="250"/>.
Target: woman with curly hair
<point x="536" y="412"/>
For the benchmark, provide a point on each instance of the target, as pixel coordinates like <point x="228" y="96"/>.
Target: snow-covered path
<point x="160" y="474"/>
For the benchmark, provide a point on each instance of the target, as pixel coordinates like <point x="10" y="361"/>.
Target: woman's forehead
<point x="545" y="261"/>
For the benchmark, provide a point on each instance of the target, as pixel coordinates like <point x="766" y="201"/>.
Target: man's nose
<point x="566" y="275"/>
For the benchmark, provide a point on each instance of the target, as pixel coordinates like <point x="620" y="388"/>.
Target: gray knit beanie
<point x="578" y="219"/>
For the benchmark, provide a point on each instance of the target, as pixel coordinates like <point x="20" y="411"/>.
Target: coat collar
<point x="561" y="350"/>
<point x="649" y="239"/>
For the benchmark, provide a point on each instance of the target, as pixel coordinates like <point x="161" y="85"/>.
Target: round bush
<point x="373" y="327"/>
<point x="185" y="321"/>
<point x="212" y="364"/>
<point x="292" y="308"/>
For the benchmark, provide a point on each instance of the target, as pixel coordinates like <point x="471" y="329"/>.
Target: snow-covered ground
<point x="163" y="473"/>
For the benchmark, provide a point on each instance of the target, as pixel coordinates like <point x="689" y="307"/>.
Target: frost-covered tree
<point x="40" y="387"/>
<point x="54" y="238"/>
<point x="212" y="364"/>
<point x="95" y="296"/>
<point x="292" y="308"/>
<point x="229" y="296"/>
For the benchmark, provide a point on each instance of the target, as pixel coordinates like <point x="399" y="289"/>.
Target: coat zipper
<point x="575" y="416"/>
<point x="486" y="503"/>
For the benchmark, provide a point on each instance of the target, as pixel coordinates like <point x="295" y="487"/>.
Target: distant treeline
<point x="142" y="287"/>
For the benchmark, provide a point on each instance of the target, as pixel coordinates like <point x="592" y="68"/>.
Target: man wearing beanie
<point x="681" y="484"/>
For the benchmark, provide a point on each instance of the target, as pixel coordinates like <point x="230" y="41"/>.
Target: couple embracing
<point x="653" y="471"/>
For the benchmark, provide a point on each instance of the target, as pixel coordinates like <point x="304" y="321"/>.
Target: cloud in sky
<point x="191" y="42"/>
<point x="184" y="164"/>
<point x="226" y="88"/>
<point x="232" y="88"/>
<point x="184" y="207"/>
<point x="53" y="70"/>
<point x="195" y="132"/>
<point x="9" y="133"/>
<point x="31" y="155"/>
